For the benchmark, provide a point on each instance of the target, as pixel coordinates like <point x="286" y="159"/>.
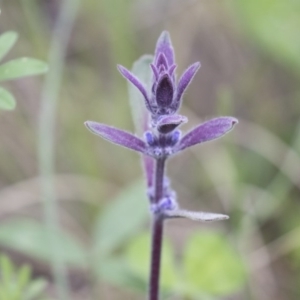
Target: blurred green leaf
<point x="7" y="101"/>
<point x="21" y="67"/>
<point x="7" y="40"/>
<point x="211" y="266"/>
<point x="141" y="68"/>
<point x="275" y="25"/>
<point x="7" y="270"/>
<point x="115" y="270"/>
<point x="138" y="258"/>
<point x="35" y="289"/>
<point x="24" y="276"/>
<point x="31" y="237"/>
<point x="121" y="219"/>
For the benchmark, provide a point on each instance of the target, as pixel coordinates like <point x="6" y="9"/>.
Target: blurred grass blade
<point x="21" y="67"/>
<point x="7" y="40"/>
<point x="31" y="238"/>
<point x="7" y="100"/>
<point x="121" y="219"/>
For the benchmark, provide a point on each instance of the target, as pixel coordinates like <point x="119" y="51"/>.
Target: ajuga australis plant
<point x="161" y="140"/>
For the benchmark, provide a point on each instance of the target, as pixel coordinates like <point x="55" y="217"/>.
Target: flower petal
<point x="194" y="215"/>
<point x="168" y="123"/>
<point x="117" y="136"/>
<point x="135" y="81"/>
<point x="164" y="45"/>
<point x="184" y="81"/>
<point x="207" y="131"/>
<point x="161" y="61"/>
<point x="164" y="91"/>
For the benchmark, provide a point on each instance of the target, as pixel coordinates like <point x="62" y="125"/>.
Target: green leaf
<point x="115" y="271"/>
<point x="7" y="270"/>
<point x="35" y="289"/>
<point x="7" y="101"/>
<point x="23" y="277"/>
<point x="211" y="266"/>
<point x="141" y="68"/>
<point x="31" y="238"/>
<point x="138" y="259"/>
<point x="274" y="24"/>
<point x="121" y="219"/>
<point x="7" y="40"/>
<point x="22" y="67"/>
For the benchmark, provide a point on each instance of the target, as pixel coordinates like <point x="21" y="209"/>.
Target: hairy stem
<point x="157" y="232"/>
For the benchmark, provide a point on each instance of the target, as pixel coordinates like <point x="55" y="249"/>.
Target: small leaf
<point x="7" y="40"/>
<point x="22" y="67"/>
<point x="121" y="219"/>
<point x="7" y="101"/>
<point x="31" y="238"/>
<point x="211" y="266"/>
<point x="194" y="215"/>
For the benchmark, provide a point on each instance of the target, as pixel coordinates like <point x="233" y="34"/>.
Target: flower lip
<point x="168" y="123"/>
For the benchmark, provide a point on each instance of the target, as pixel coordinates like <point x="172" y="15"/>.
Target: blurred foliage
<point x="15" y="68"/>
<point x="249" y="51"/>
<point x="17" y="284"/>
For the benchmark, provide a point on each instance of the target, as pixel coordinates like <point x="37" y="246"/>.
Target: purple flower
<point x="166" y="95"/>
<point x="162" y="138"/>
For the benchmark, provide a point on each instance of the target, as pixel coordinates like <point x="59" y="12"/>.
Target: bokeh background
<point x="88" y="240"/>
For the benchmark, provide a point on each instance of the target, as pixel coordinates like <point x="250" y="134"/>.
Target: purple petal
<point x="171" y="70"/>
<point x="161" y="61"/>
<point x="164" y="91"/>
<point x="117" y="136"/>
<point x="164" y="45"/>
<point x="135" y="81"/>
<point x="184" y="81"/>
<point x="207" y="131"/>
<point x="168" y="123"/>
<point x="155" y="71"/>
<point x="194" y="215"/>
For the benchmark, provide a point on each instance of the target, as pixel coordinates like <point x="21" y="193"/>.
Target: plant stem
<point x="157" y="232"/>
<point x="59" y="43"/>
